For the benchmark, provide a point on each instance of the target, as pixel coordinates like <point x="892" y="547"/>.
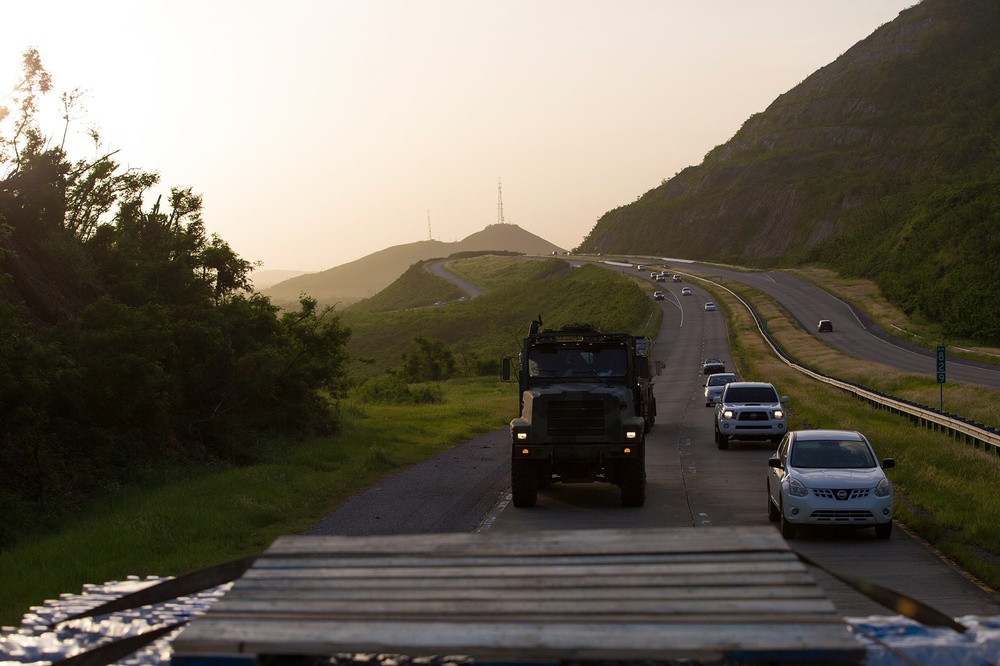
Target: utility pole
<point x="429" y="236"/>
<point x="499" y="203"/>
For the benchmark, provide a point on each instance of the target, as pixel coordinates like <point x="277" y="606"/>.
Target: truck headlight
<point x="778" y="414"/>
<point x="631" y="434"/>
<point x="727" y="414"/>
<point x="521" y="436"/>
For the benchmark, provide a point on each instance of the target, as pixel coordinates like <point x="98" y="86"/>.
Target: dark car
<point x="713" y="365"/>
<point x="824" y="325"/>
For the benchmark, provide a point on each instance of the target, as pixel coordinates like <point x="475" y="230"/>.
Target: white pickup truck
<point x="750" y="411"/>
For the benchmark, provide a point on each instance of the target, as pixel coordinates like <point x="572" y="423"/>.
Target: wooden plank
<point x="540" y="571"/>
<point x="569" y="594"/>
<point x="524" y="641"/>
<point x="561" y="542"/>
<point x="329" y="584"/>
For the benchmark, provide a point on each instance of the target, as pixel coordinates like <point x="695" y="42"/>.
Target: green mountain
<point x="883" y="164"/>
<point x="350" y="282"/>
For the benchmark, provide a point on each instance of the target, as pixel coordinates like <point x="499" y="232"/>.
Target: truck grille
<point x="576" y="418"/>
<point x="753" y="416"/>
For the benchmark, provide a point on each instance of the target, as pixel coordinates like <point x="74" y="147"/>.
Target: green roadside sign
<point x="940" y="364"/>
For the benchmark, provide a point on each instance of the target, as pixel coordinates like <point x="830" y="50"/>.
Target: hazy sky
<point x="322" y="131"/>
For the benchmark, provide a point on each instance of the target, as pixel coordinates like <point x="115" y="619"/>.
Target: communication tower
<point x="429" y="237"/>
<point x="499" y="203"/>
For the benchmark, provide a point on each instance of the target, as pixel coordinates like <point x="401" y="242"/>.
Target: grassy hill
<point x="883" y="164"/>
<point x="353" y="281"/>
<point x="491" y="326"/>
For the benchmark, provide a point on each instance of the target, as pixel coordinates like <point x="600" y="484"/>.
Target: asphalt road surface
<point x="691" y="484"/>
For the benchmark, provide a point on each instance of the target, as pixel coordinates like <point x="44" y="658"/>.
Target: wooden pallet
<point x="714" y="594"/>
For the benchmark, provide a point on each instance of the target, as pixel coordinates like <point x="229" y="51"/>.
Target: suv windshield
<point x="751" y="394"/>
<point x="569" y="362"/>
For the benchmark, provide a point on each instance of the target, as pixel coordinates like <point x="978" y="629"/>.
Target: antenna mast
<point x="429" y="237"/>
<point x="499" y="203"/>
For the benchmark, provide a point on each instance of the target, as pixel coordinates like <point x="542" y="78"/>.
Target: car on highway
<point x="710" y="307"/>
<point x="678" y="278"/>
<point x="653" y="276"/>
<point x="829" y="478"/>
<point x="686" y="291"/>
<point x="714" y="385"/>
<point x="824" y="325"/>
<point x="658" y="296"/>
<point x="750" y="411"/>
<point x="712" y="365"/>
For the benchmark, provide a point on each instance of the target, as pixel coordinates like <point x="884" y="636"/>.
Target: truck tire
<point x="632" y="479"/>
<point x="722" y="440"/>
<point x="523" y="483"/>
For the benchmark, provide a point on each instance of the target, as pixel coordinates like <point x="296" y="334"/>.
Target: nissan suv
<point x="750" y="411"/>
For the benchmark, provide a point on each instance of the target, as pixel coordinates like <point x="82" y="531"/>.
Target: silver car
<point x="828" y="477"/>
<point x="714" y="385"/>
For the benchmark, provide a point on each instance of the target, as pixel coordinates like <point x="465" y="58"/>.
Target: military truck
<point x="586" y="404"/>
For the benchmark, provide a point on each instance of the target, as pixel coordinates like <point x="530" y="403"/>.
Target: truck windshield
<point x="751" y="394"/>
<point x="569" y="362"/>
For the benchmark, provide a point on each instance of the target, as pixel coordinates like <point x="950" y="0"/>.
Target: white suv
<point x="750" y="410"/>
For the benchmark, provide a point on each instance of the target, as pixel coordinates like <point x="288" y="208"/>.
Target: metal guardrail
<point x="977" y="434"/>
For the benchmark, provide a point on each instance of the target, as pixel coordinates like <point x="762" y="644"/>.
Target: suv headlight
<point x="883" y="488"/>
<point x="727" y="413"/>
<point x="778" y="414"/>
<point x="796" y="489"/>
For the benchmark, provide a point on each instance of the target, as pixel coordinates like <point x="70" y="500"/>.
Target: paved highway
<point x="691" y="484"/>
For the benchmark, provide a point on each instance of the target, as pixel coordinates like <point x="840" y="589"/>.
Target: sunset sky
<point x="321" y="131"/>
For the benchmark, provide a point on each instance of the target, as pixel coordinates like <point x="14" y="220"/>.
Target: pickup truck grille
<point x="576" y="418"/>
<point x="753" y="416"/>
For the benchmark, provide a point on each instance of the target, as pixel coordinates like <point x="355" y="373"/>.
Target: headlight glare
<point x="778" y="414"/>
<point x="727" y="414"/>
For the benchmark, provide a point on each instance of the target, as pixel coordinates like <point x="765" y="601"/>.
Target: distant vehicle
<point x="686" y="291"/>
<point x="658" y="296"/>
<point x="828" y="477"/>
<point x="714" y="385"/>
<point x="713" y="365"/>
<point x="824" y="325"/>
<point x="677" y="278"/>
<point x="710" y="307"/>
<point x="439" y="303"/>
<point x="653" y="276"/>
<point x="661" y="278"/>
<point x="640" y="267"/>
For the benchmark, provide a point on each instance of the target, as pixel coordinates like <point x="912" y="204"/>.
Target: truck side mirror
<point x="505" y="369"/>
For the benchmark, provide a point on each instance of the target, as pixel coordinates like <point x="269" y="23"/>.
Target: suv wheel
<point x="722" y="440"/>
<point x="787" y="529"/>
<point x="772" y="511"/>
<point x="883" y="531"/>
<point x="523" y="483"/>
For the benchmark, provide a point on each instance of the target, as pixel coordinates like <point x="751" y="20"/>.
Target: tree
<point x="430" y="361"/>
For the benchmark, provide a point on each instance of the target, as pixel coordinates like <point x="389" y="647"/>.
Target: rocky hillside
<point x="851" y="167"/>
<point x="350" y="282"/>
